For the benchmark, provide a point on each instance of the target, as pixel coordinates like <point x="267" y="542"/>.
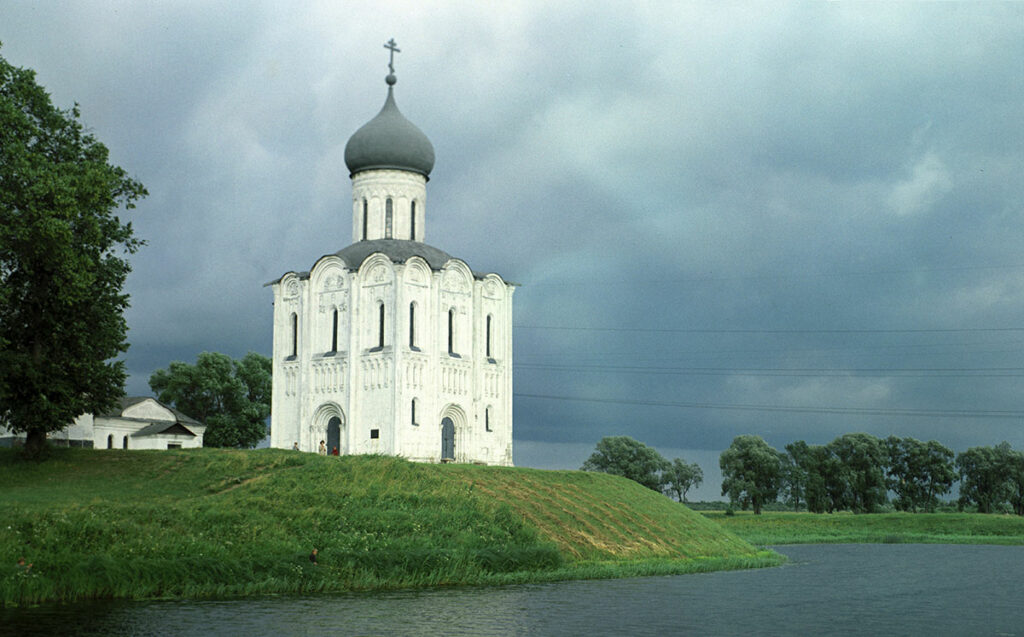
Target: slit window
<point x="487" y="419"/>
<point x="388" y="217"/>
<point x="412" y="326"/>
<point x="295" y="334"/>
<point x="412" y="222"/>
<point x="366" y="217"/>
<point x="380" y="329"/>
<point x="488" y="336"/>
<point x="334" y="333"/>
<point x="451" y="331"/>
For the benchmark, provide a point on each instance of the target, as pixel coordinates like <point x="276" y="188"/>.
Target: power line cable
<point x="855" y="411"/>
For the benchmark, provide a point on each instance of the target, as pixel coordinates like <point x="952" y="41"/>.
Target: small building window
<point x="413" y="410"/>
<point x="374" y="434"/>
<point x="412" y="222"/>
<point x="451" y="332"/>
<point x="124" y="442"/>
<point x="412" y="326"/>
<point x="380" y="331"/>
<point x="110" y="441"/>
<point x="334" y="332"/>
<point x="488" y="337"/>
<point x="487" y="419"/>
<point x="295" y="335"/>
<point x="388" y="217"/>
<point x="174" y="445"/>
<point x="366" y="217"/>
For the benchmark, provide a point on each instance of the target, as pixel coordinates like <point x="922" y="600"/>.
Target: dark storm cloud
<point x="802" y="172"/>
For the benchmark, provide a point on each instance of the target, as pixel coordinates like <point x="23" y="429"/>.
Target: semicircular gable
<point x="328" y="274"/>
<point x="290" y="285"/>
<point x="377" y="269"/>
<point x="456" y="277"/>
<point x="417" y="271"/>
<point x="494" y="287"/>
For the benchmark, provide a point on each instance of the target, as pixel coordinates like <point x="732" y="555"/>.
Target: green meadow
<point x="227" y="523"/>
<point x="773" y="528"/>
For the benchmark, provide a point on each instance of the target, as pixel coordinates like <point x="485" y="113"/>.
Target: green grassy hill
<point x="208" y="522"/>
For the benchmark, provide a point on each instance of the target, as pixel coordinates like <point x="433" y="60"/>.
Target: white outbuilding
<point x="138" y="422"/>
<point x="390" y="345"/>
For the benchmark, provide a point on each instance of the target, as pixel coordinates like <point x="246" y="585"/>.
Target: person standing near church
<point x="323" y="448"/>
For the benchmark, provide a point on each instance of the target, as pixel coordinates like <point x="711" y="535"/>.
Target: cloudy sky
<point x="794" y="220"/>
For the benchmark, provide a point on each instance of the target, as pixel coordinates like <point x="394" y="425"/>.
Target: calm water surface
<point x="901" y="589"/>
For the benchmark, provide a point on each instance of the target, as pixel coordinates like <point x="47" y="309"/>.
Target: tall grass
<point x="202" y="523"/>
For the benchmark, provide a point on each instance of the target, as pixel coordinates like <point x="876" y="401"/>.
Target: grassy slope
<point x="216" y="522"/>
<point x="812" y="528"/>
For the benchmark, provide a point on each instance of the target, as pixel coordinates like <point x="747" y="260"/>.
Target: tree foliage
<point x="918" y="472"/>
<point x="751" y="472"/>
<point x="232" y="398"/>
<point x="624" y="456"/>
<point x="862" y="461"/>
<point x="983" y="479"/>
<point x="62" y="263"/>
<point x="680" y="477"/>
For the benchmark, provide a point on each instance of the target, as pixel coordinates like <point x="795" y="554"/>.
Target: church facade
<point x="390" y="345"/>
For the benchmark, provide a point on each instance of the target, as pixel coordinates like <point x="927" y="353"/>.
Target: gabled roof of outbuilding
<point x="128" y="401"/>
<point x="164" y="427"/>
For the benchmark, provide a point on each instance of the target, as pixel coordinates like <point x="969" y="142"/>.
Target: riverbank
<point x="222" y="523"/>
<point x="774" y="528"/>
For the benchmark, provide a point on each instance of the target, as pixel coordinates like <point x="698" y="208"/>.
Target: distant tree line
<point x="624" y="456"/>
<point x="857" y="472"/>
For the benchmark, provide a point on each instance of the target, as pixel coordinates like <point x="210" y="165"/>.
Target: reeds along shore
<point x="219" y="523"/>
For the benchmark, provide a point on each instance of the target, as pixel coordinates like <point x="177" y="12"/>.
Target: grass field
<point x="214" y="523"/>
<point x="771" y="528"/>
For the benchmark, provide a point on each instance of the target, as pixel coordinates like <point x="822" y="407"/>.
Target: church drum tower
<point x="390" y="345"/>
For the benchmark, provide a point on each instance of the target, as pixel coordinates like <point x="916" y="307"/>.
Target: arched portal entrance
<point x="327" y="424"/>
<point x="447" y="439"/>
<point x="333" y="434"/>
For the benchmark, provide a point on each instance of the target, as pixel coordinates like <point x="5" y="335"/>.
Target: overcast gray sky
<point x="795" y="220"/>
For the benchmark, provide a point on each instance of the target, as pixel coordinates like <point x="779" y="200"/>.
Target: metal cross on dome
<point x="394" y="49"/>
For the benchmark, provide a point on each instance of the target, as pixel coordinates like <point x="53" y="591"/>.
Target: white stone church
<point x="390" y="345"/>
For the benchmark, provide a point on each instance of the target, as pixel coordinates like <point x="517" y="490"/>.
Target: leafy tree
<point x="1014" y="464"/>
<point x="918" y="472"/>
<point x="232" y="398"/>
<point x="681" y="477"/>
<point x="863" y="458"/>
<point x="983" y="477"/>
<point x="62" y="264"/>
<point x="751" y="472"/>
<point x="623" y="456"/>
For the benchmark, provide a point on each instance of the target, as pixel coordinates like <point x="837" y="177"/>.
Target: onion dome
<point x="389" y="141"/>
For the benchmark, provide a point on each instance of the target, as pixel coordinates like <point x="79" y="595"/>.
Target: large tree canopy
<point x="232" y="398"/>
<point x="623" y="456"/>
<point x="62" y="263"/>
<point x="751" y="472"/>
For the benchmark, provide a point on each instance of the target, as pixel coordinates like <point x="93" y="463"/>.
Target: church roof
<point x="398" y="250"/>
<point x="389" y="141"/>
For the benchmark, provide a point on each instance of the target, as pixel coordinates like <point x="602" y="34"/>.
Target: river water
<point x="846" y="589"/>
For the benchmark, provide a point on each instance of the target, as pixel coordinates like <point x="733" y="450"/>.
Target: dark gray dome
<point x="389" y="141"/>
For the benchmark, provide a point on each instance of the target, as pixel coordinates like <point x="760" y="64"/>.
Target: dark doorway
<point x="334" y="435"/>
<point x="447" y="439"/>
